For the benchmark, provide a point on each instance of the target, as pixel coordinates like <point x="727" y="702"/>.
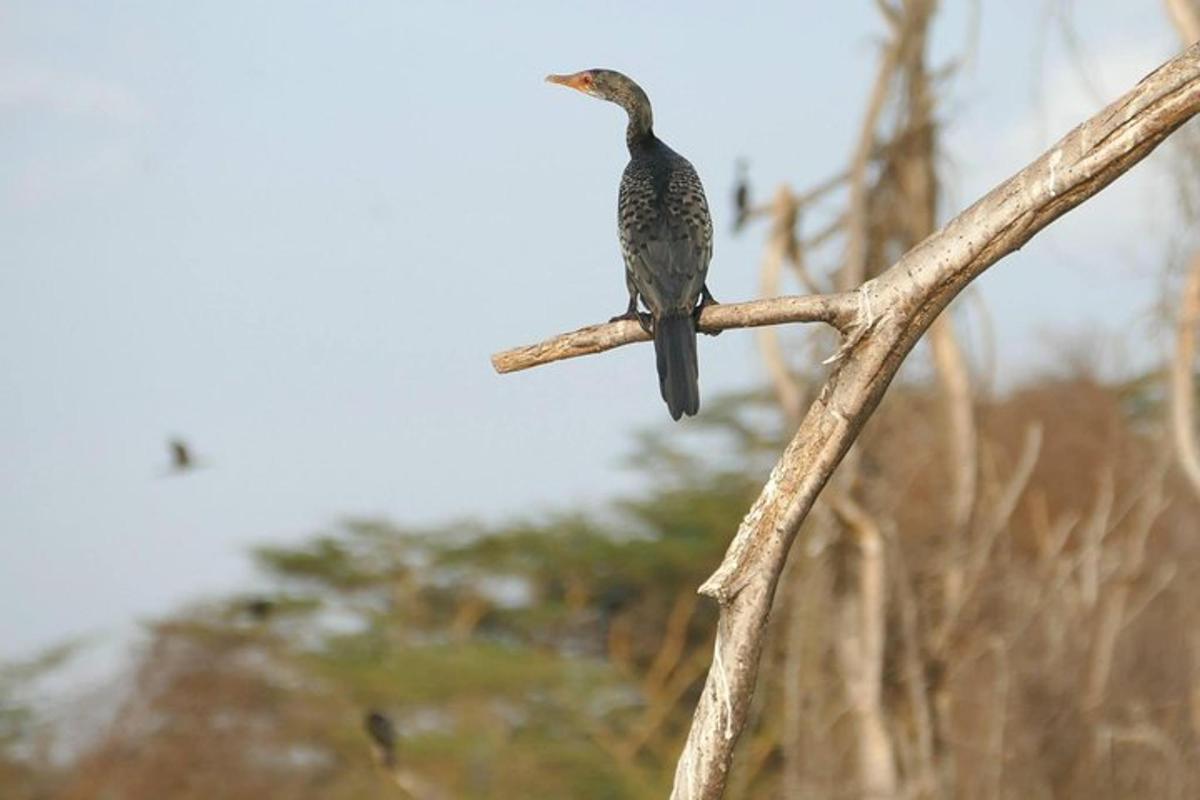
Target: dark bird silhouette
<point x="260" y="608"/>
<point x="181" y="455"/>
<point x="183" y="458"/>
<point x="741" y="196"/>
<point x="383" y="734"/>
<point x="666" y="238"/>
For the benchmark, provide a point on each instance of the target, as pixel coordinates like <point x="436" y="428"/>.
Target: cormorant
<point x="666" y="238"/>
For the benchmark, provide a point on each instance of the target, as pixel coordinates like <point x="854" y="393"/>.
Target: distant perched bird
<point x="260" y="608"/>
<point x="741" y="196"/>
<point x="383" y="734"/>
<point x="666" y="238"/>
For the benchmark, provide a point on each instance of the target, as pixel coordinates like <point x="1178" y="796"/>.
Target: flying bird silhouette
<point x="183" y="459"/>
<point x="666" y="238"/>
<point x="181" y="456"/>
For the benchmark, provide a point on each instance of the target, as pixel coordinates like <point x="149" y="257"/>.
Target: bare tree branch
<point x="838" y="310"/>
<point x="997" y="520"/>
<point x="894" y="311"/>
<point x="854" y="269"/>
<point x="1186" y="16"/>
<point x="1114" y="608"/>
<point x="787" y="389"/>
<point x="924" y="782"/>
<point x="1092" y="547"/>
<point x="962" y="449"/>
<point x="1183" y="382"/>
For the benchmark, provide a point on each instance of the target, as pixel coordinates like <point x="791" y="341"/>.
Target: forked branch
<point x="838" y="310"/>
<point x="897" y="308"/>
<point x="883" y="319"/>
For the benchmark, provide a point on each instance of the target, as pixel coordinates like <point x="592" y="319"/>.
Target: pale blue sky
<point x="294" y="232"/>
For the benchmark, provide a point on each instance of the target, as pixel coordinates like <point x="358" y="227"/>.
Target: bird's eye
<point x="586" y="80"/>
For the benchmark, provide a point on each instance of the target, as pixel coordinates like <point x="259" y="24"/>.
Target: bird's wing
<point x="668" y="272"/>
<point x="666" y="237"/>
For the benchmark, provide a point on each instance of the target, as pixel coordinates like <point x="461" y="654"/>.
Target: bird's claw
<point x="706" y="300"/>
<point x="640" y="317"/>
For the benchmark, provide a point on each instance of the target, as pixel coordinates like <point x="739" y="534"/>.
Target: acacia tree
<point x="880" y="320"/>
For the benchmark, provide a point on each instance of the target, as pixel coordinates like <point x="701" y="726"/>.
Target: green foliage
<point x="25" y="770"/>
<point x="525" y="659"/>
<point x="16" y="677"/>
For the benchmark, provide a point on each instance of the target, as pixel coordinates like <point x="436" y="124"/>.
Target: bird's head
<point x="610" y="85"/>
<point x="599" y="83"/>
<point x="606" y="84"/>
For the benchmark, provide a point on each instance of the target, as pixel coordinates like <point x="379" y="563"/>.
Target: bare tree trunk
<point x="808" y="602"/>
<point x="779" y="242"/>
<point x="1186" y="16"/>
<point x="924" y="781"/>
<point x="910" y="295"/>
<point x="859" y="644"/>
<point x="1183" y="380"/>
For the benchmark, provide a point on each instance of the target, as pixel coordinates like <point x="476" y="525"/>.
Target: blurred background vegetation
<point x="999" y="592"/>
<point x="561" y="656"/>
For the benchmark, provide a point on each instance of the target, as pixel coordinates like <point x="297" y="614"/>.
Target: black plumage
<point x="665" y="231"/>
<point x="260" y="608"/>
<point x="383" y="734"/>
<point x="741" y="197"/>
<point x="181" y="455"/>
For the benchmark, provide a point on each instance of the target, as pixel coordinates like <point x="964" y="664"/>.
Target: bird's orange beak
<point x="580" y="81"/>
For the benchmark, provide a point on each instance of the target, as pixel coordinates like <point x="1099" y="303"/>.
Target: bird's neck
<point x="641" y="119"/>
<point x="638" y="138"/>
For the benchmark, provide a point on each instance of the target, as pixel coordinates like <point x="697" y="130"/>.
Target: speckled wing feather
<point x="665" y="229"/>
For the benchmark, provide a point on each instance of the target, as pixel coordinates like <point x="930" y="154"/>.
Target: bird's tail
<point x="678" y="372"/>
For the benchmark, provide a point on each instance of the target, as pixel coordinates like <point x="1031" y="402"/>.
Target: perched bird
<point x="741" y="196"/>
<point x="383" y="734"/>
<point x="260" y="608"/>
<point x="666" y="238"/>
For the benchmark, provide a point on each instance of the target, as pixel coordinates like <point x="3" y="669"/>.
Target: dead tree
<point x="1185" y="14"/>
<point x="880" y="321"/>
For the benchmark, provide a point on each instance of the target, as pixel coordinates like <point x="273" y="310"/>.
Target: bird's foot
<point x="706" y="300"/>
<point x="640" y="317"/>
<point x="631" y="315"/>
